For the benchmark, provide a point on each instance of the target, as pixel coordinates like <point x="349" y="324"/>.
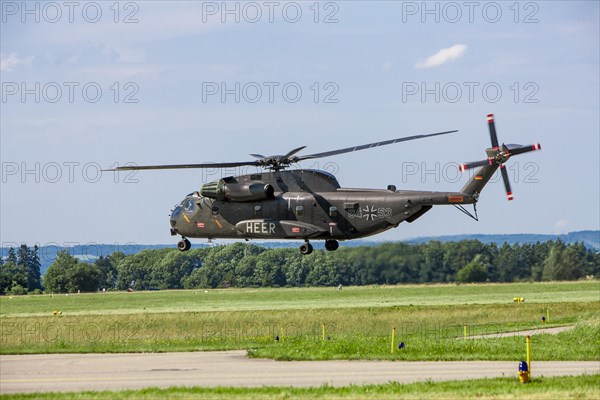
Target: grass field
<point x="357" y="323"/>
<point x="295" y="298"/>
<point x="430" y="319"/>
<point x="580" y="387"/>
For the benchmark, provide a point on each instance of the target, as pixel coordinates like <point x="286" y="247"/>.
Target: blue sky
<point x="92" y="85"/>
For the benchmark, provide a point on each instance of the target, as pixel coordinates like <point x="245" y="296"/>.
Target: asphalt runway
<point x="77" y="372"/>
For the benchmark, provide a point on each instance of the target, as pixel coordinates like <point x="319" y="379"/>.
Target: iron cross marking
<point x="371" y="214"/>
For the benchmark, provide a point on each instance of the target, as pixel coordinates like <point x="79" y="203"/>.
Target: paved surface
<point x="76" y="372"/>
<point x="532" y="332"/>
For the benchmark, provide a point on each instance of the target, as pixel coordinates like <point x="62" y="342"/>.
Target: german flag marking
<point x="478" y="177"/>
<point x="456" y="199"/>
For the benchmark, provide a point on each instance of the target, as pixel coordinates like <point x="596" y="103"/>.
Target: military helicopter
<point x="308" y="204"/>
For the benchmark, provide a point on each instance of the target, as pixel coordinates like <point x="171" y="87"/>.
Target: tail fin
<point x="481" y="177"/>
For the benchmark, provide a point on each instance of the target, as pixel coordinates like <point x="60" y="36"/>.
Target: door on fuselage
<point x="299" y="207"/>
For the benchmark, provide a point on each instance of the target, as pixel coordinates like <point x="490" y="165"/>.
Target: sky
<point x="93" y="85"/>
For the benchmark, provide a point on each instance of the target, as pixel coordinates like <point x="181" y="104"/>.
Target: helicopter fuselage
<point x="298" y="204"/>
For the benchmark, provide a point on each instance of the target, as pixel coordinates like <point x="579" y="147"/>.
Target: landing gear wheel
<point x="331" y="245"/>
<point x="183" y="245"/>
<point x="306" y="248"/>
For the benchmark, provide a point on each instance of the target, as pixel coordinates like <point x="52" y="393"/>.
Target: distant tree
<point x="268" y="270"/>
<point x="12" y="255"/>
<point x="23" y="255"/>
<point x="244" y="272"/>
<point x="107" y="268"/>
<point x="433" y="261"/>
<point x="296" y="269"/>
<point x="537" y="256"/>
<point x="29" y="259"/>
<point x="507" y="263"/>
<point x="475" y="271"/>
<point x="12" y="275"/>
<point x="34" y="275"/>
<point x="553" y="264"/>
<point x="135" y="270"/>
<point x="173" y="266"/>
<point x="17" y="290"/>
<point x="323" y="270"/>
<point x="588" y="260"/>
<point x="564" y="263"/>
<point x="68" y="275"/>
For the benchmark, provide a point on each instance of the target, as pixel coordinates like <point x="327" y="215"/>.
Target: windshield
<point x="176" y="212"/>
<point x="188" y="205"/>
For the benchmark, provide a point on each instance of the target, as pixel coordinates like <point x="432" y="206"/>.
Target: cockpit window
<point x="176" y="212"/>
<point x="188" y="205"/>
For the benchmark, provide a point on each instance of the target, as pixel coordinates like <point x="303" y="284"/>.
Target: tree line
<point x="20" y="271"/>
<point x="247" y="265"/>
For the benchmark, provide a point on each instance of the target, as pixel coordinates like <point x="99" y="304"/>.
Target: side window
<point x="215" y="211"/>
<point x="333" y="212"/>
<point x="257" y="210"/>
<point x="299" y="211"/>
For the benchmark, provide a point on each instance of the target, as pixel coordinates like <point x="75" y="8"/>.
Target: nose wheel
<point x="183" y="244"/>
<point x="306" y="248"/>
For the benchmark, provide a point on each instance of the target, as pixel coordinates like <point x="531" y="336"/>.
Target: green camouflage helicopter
<point x="308" y="204"/>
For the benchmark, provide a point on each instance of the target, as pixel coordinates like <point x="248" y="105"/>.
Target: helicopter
<point x="307" y="204"/>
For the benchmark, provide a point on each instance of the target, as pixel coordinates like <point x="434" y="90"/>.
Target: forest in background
<point x="248" y="265"/>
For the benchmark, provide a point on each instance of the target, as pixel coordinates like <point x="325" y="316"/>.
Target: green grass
<point x="297" y="298"/>
<point x="429" y="318"/>
<point x="568" y="387"/>
<point x="358" y="320"/>
<point x="582" y="343"/>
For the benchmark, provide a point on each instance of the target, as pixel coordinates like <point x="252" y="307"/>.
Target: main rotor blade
<point x="509" y="194"/>
<point x="257" y="155"/>
<point x="182" y="166"/>
<point x="291" y="153"/>
<point x="371" y="145"/>
<point x="492" y="126"/>
<point x="525" y="149"/>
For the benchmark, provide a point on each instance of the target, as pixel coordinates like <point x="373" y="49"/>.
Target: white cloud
<point x="443" y="56"/>
<point x="8" y="63"/>
<point x="561" y="225"/>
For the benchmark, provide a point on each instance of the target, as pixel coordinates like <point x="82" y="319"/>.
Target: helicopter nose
<point x="175" y="215"/>
<point x="173" y="221"/>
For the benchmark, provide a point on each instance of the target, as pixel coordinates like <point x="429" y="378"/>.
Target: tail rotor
<point x="499" y="155"/>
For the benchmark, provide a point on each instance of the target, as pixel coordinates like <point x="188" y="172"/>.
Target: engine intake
<point x="238" y="192"/>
